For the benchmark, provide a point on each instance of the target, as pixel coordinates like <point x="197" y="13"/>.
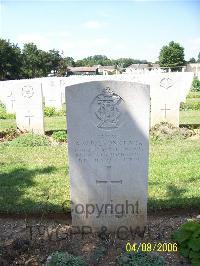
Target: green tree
<point x="192" y="60"/>
<point x="54" y="60"/>
<point x="44" y="63"/>
<point x="62" y="68"/>
<point x="125" y="62"/>
<point x="94" y="60"/>
<point x="172" y="56"/>
<point x="10" y="60"/>
<point x="198" y="60"/>
<point x="70" y="61"/>
<point x="39" y="63"/>
<point x="31" y="61"/>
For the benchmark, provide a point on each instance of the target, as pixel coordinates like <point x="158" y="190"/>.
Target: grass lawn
<point x="174" y="177"/>
<point x="31" y="175"/>
<point x="189" y="117"/>
<point x="51" y="123"/>
<point x="7" y="123"/>
<point x="55" y="123"/>
<point x="35" y="179"/>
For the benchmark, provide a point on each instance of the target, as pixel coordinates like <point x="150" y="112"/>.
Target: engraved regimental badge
<point x="107" y="109"/>
<point x="166" y="83"/>
<point x="27" y="91"/>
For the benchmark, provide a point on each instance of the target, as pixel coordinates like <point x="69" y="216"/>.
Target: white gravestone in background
<point x="168" y="90"/>
<point x="29" y="107"/>
<point x="9" y="95"/>
<point x="10" y="102"/>
<point x="52" y="92"/>
<point x="2" y="92"/>
<point x="165" y="100"/>
<point x="108" y="142"/>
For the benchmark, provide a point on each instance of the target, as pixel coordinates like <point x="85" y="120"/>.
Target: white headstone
<point x="52" y="92"/>
<point x="29" y="107"/>
<point x="108" y="128"/>
<point x="167" y="91"/>
<point x="8" y="95"/>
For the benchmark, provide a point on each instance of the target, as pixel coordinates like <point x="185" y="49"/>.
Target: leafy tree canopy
<point x="94" y="60"/>
<point x="198" y="60"/>
<point x="172" y="55"/>
<point x="10" y="60"/>
<point x="192" y="60"/>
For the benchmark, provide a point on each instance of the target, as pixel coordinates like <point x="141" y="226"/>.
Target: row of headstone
<point x="167" y="91"/>
<point x="53" y="92"/>
<point x="108" y="140"/>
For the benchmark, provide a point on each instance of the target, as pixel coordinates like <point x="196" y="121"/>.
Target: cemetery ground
<point x="35" y="200"/>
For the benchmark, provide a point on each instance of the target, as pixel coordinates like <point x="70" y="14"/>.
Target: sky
<point x="136" y="29"/>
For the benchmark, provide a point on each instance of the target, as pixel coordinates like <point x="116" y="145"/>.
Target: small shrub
<point x="168" y="131"/>
<point x="10" y="116"/>
<point x="193" y="105"/>
<point x="4" y="114"/>
<point x="188" y="239"/>
<point x="8" y="134"/>
<point x="60" y="136"/>
<point x="99" y="253"/>
<point x="30" y="140"/>
<point x="2" y="105"/>
<point x="49" y="111"/>
<point x="193" y="94"/>
<point x="140" y="258"/>
<point x="196" y="84"/>
<point x="61" y="113"/>
<point x="2" y="111"/>
<point x="64" y="259"/>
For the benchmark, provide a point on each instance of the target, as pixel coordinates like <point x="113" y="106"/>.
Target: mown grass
<point x="51" y="123"/>
<point x="36" y="179"/>
<point x="55" y="123"/>
<point x="7" y="123"/>
<point x="190" y="117"/>
<point x="174" y="174"/>
<point x="33" y="179"/>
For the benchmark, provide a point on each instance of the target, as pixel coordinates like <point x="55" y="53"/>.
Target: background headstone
<point x="108" y="127"/>
<point x="29" y="107"/>
<point x="51" y="88"/>
<point x="8" y="94"/>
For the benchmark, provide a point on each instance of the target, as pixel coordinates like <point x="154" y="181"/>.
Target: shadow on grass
<point x="13" y="192"/>
<point x="50" y="132"/>
<point x="174" y="192"/>
<point x="175" y="198"/>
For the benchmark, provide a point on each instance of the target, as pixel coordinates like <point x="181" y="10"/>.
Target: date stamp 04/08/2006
<point x="149" y="247"/>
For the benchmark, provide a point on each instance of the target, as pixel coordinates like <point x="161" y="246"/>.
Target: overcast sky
<point x="136" y="29"/>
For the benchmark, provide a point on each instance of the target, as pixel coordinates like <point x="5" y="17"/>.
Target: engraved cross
<point x="29" y="119"/>
<point x="12" y="99"/>
<point x="165" y="109"/>
<point x="109" y="182"/>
